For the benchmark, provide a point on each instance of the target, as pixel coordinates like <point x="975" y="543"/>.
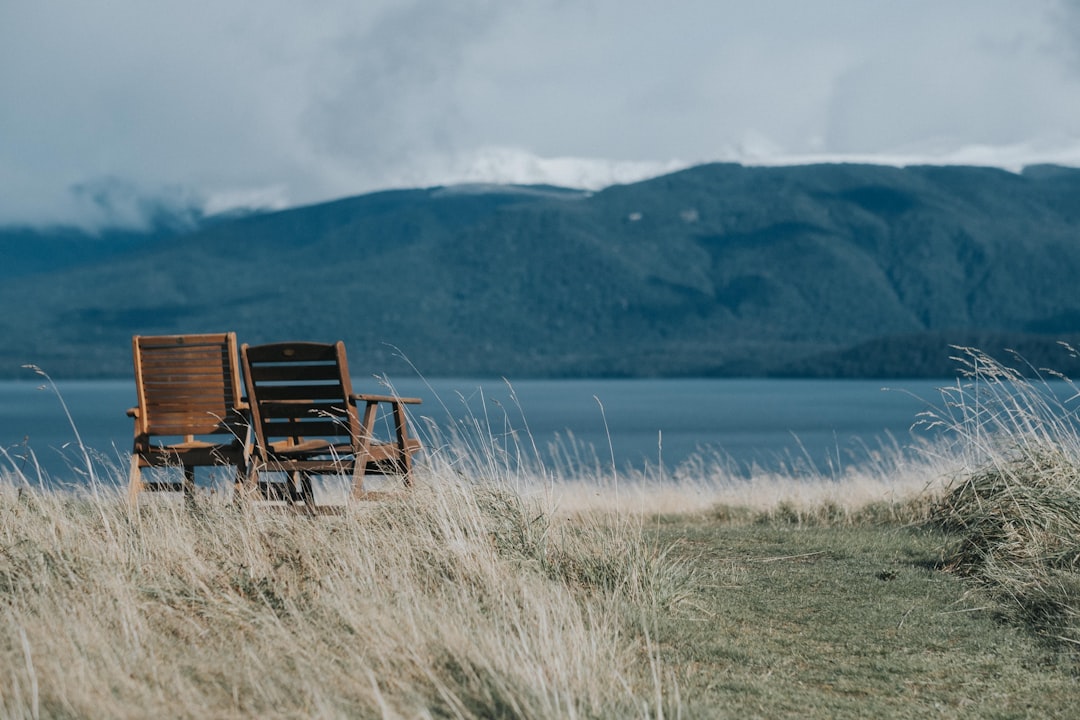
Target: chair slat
<point x="184" y="397"/>
<point x="302" y="392"/>
<point x="176" y="413"/>
<point x="265" y="372"/>
<point x="188" y="425"/>
<point x="305" y="428"/>
<point x="184" y="429"/>
<point x="182" y="362"/>
<point x="182" y="373"/>
<point x="171" y="352"/>
<point x="269" y="410"/>
<point x="197" y="401"/>
<point x="184" y="340"/>
<point x="292" y="353"/>
<point x="205" y="410"/>
<point x="188" y="388"/>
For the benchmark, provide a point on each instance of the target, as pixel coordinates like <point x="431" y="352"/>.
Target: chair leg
<point x="240" y="483"/>
<point x="275" y="491"/>
<point x="294" y="487"/>
<point x="189" y="484"/>
<point x="307" y="495"/>
<point x="401" y="432"/>
<point x="359" y="470"/>
<point x="135" y="483"/>
<point x="252" y="482"/>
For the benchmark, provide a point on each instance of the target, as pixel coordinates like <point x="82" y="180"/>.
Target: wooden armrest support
<point x="362" y="397"/>
<point x="133" y="412"/>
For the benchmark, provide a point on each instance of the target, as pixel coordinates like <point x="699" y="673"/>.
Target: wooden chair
<point x="190" y="410"/>
<point x="307" y="421"/>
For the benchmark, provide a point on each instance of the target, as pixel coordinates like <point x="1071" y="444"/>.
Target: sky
<point x="111" y="108"/>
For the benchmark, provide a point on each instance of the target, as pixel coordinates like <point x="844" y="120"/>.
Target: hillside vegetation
<point x="718" y="270"/>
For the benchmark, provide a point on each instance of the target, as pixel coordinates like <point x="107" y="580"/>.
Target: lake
<point x="635" y="423"/>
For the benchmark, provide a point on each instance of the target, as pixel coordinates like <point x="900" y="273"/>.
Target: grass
<point x="848" y="621"/>
<point x="1014" y="513"/>
<point x="941" y="584"/>
<point x="452" y="602"/>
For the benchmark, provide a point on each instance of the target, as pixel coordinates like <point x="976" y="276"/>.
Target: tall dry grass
<point x="507" y="583"/>
<point x="1015" y="502"/>
<point x="577" y="479"/>
<point x="463" y="597"/>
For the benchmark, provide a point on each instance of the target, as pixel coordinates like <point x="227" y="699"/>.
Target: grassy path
<point x="847" y="622"/>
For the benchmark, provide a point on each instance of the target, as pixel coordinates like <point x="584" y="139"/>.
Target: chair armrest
<point x="363" y="397"/>
<point x="133" y="412"/>
<point x="405" y="445"/>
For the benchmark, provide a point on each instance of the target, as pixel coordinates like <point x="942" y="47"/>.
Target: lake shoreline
<point x="620" y="424"/>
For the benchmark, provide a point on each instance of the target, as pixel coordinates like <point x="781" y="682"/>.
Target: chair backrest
<point x="299" y="391"/>
<point x="187" y="384"/>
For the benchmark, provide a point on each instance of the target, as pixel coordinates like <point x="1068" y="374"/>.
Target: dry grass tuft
<point x="1016" y="506"/>
<point x="895" y="488"/>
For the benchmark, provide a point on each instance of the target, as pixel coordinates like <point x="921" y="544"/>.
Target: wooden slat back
<point x="299" y="391"/>
<point x="187" y="384"/>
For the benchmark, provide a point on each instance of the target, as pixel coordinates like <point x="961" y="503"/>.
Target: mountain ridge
<point x="716" y="270"/>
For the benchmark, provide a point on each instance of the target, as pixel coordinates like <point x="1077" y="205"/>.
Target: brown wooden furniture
<point x="307" y="421"/>
<point x="190" y="410"/>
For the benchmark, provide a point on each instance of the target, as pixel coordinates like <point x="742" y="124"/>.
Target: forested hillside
<point x="826" y="270"/>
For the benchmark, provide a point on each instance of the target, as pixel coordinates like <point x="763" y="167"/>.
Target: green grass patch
<point x="847" y="620"/>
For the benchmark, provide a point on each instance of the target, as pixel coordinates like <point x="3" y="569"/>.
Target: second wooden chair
<point x="308" y="421"/>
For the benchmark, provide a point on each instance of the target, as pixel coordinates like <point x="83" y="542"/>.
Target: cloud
<point x="272" y="103"/>
<point x="396" y="79"/>
<point x="519" y="166"/>
<point x="990" y="85"/>
<point x="272" y="197"/>
<point x="114" y="202"/>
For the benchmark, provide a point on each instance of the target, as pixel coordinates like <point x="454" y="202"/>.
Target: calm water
<point x="639" y="422"/>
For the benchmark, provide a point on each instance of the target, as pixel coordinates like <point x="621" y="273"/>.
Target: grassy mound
<point x="1019" y="527"/>
<point x="1016" y="510"/>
